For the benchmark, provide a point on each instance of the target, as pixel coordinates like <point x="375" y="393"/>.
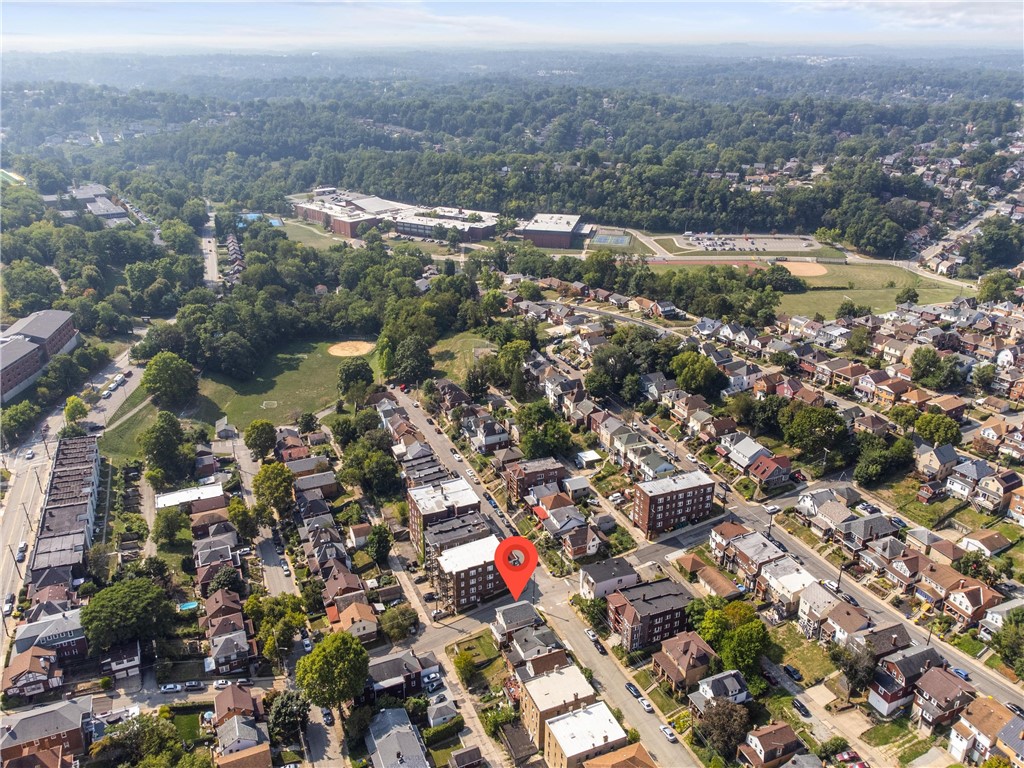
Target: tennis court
<point x="616" y="240"/>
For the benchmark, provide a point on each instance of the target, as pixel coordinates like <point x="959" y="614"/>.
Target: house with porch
<point x="683" y="661"/>
<point x="940" y="697"/>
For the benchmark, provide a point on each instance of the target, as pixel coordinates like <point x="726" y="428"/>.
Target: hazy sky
<point x="39" y="25"/>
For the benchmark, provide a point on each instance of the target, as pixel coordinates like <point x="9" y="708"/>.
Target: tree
<point x="465" y="667"/>
<point x="334" y="671"/>
<point x="739" y="613"/>
<point x="814" y="429"/>
<point x="228" y="578"/>
<point x="938" y="429"/>
<point x="260" y="437"/>
<point x="17" y="419"/>
<point x="713" y="628"/>
<point x="75" y="409"/>
<point x="848" y="308"/>
<point x="354" y="373"/>
<point x="988" y="570"/>
<point x="169" y="522"/>
<point x="743" y="646"/>
<point x="907" y="296"/>
<point x="784" y="360"/>
<point x="246" y="520"/>
<point x="306" y="422"/>
<point x="272" y="487"/>
<point x="289" y="715"/>
<point x="413" y="362"/>
<point x="398" y="621"/>
<point x="997" y="761"/>
<point x="595" y="611"/>
<point x="312" y="596"/>
<point x="859" y="342"/>
<point x="697" y="374"/>
<point x="904" y="416"/>
<point x="857" y="663"/>
<point x="163" y="446"/>
<point x="831" y="747"/>
<point x="169" y="379"/>
<point x="131" y="740"/>
<point x="134" y="609"/>
<point x="724" y="726"/>
<point x="982" y="376"/>
<point x="378" y="543"/>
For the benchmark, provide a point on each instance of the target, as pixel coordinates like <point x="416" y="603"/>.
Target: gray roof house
<point x="725" y="685"/>
<point x="392" y="741"/>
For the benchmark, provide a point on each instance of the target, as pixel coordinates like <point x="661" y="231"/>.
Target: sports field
<point x="454" y="355"/>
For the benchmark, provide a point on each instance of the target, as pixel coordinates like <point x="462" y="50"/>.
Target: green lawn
<point x="865" y="284"/>
<point x="309" y="234"/>
<point x="972" y="646"/>
<point x="134" y="399"/>
<point x="454" y="355"/>
<point x="440" y="753"/>
<point x="300" y="377"/>
<point x="187" y="727"/>
<point x="809" y="657"/>
<point x="643" y="679"/>
<point x="901" y="494"/>
<point x="121" y="444"/>
<point x="886" y="733"/>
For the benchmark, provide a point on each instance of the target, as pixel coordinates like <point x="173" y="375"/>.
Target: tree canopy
<point x="133" y="609"/>
<point x="334" y="671"/>
<point x="169" y="379"/>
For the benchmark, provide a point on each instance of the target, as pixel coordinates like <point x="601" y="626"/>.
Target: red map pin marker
<point x="515" y="558"/>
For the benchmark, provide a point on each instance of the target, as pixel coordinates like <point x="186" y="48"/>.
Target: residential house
<point x="122" y="661"/>
<point x="873" y="423"/>
<point x="888" y="393"/>
<point x="1010" y="742"/>
<point x="995" y="617"/>
<point x="581" y="542"/>
<point x="855" y="534"/>
<point x="940" y="697"/>
<point x="439" y="714"/>
<point x="399" y="674"/>
<point x="770" y="472"/>
<point x="967" y="603"/>
<point x="722" y="535"/>
<point x="648" y="613"/>
<point x="883" y="641"/>
<point x="61" y="632"/>
<point x="511" y="618"/>
<point x="359" y="620"/>
<point x="892" y="687"/>
<point x="950" y="405"/>
<point x="725" y="685"/>
<point x="31" y="672"/>
<point x="974" y="735"/>
<point x="63" y="726"/>
<point x="747" y="555"/>
<point x="742" y="451"/>
<point x="993" y="492"/>
<point x="809" y="502"/>
<point x="234" y="701"/>
<point x="780" y="583"/>
<point x="816" y="603"/>
<point x="965" y="477"/>
<point x="770" y="746"/>
<point x="629" y="756"/>
<point x="682" y="661"/>
<point x="580" y="735"/>
<point x="605" y="577"/>
<point x="989" y="542"/>
<point x="842" y="623"/>
<point x="392" y="740"/>
<point x="830" y="516"/>
<point x="522" y="476"/>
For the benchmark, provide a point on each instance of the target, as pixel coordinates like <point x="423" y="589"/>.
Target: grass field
<point x="309" y="234"/>
<point x="301" y="377"/>
<point x="810" y="658"/>
<point x="903" y="494"/>
<point x="121" y="444"/>
<point x="454" y="355"/>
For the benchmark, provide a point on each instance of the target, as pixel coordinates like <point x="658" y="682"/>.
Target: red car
<point x="847" y="757"/>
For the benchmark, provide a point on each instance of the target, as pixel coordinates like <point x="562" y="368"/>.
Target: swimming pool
<point x="191" y="605"/>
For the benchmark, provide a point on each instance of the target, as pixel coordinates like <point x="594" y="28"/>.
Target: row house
<point x="781" y="583"/>
<point x="934" y="463"/>
<point x="816" y="603"/>
<point x="843" y="623"/>
<point x="747" y="554"/>
<point x="993" y="493"/>
<point x="892" y="687"/>
<point x="722" y="535"/>
<point x="966" y="475"/>
<point x="974" y="736"/>
<point x="231" y="636"/>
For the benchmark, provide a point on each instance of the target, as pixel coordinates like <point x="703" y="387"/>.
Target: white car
<point x="771" y="509"/>
<point x="831" y="586"/>
<point x="30" y="454"/>
<point x="219" y="684"/>
<point x="691" y="458"/>
<point x="431" y="677"/>
<point x="458" y="457"/>
<point x="669" y="734"/>
<point x="170" y="688"/>
<point x="645" y="704"/>
<point x="591" y="634"/>
<point x="307" y="644"/>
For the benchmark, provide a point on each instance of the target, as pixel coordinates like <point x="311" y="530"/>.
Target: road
<point x="211" y="271"/>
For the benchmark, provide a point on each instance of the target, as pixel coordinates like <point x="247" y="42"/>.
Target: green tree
<point x="75" y="409"/>
<point x="398" y="621"/>
<point x="739" y="613"/>
<point x="289" y="715"/>
<point x="227" y="578"/>
<point x="378" y="543"/>
<point x="306" y="422"/>
<point x="167" y="524"/>
<point x="313" y="596"/>
<point x="831" y="747"/>
<point x="131" y="740"/>
<point x="386" y="356"/>
<point x="354" y="374"/>
<point x="334" y="671"/>
<point x="713" y="628"/>
<point x="260" y="437"/>
<point x="859" y="342"/>
<point x="907" y="296"/>
<point x="164" y="448"/>
<point x="697" y="374"/>
<point x="169" y="379"/>
<point x="982" y="376"/>
<point x="18" y="419"/>
<point x="857" y="663"/>
<point x="134" y="609"/>
<point x="413" y="362"/>
<point x="938" y="429"/>
<point x="814" y="429"/>
<point x="904" y="416"/>
<point x="272" y="487"/>
<point x="724" y="726"/>
<point x="743" y="647"/>
<point x="179" y="236"/>
<point x="465" y="667"/>
<point x="247" y="520"/>
<point x="595" y="611"/>
<point x="997" y="761"/>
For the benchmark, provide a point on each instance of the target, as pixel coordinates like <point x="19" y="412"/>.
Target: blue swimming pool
<point x="191" y="605"/>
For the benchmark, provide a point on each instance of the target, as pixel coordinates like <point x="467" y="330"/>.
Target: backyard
<point x="901" y="495"/>
<point x="791" y="647"/>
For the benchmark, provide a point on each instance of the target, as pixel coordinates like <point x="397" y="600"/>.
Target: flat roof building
<point x="666" y="503"/>
<point x="431" y="504"/>
<point x="551" y="230"/>
<point x="552" y="694"/>
<point x="466" y="575"/>
<point x="580" y="735"/>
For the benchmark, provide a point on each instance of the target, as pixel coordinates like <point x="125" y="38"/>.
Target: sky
<point x="330" y="25"/>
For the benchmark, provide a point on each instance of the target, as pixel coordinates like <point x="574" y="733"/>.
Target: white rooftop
<point x="471" y="555"/>
<point x="553" y="222"/>
<point x="584" y="729"/>
<point x="188" y="495"/>
<point x="558" y="687"/>
<point x="437" y="498"/>
<point x="787" y="576"/>
<point x="680" y="482"/>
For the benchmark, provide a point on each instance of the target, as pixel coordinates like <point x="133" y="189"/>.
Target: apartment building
<point x="648" y="613"/>
<point x="453" y="532"/>
<point x="552" y="694"/>
<point x="27" y="345"/>
<point x="429" y="504"/>
<point x="668" y="502"/>
<point x="525" y="475"/>
<point x="581" y="735"/>
<point x="465" y="575"/>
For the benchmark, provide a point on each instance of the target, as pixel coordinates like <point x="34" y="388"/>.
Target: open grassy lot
<point x="300" y="377"/>
<point x="886" y="733"/>
<point x="309" y="234"/>
<point x="454" y="355"/>
<point x="187" y="726"/>
<point x="122" y="444"/>
<point x="810" y="658"/>
<point x="901" y="495"/>
<point x="440" y="753"/>
<point x="875" y="285"/>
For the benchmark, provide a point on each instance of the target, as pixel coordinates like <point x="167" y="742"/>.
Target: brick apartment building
<point x="648" y="613"/>
<point x="465" y="576"/>
<point x="524" y="475"/>
<point x="668" y="502"/>
<point x="27" y="345"/>
<point x="430" y="504"/>
<point x="454" y="532"/>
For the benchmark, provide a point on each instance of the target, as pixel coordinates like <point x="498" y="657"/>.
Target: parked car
<point x="800" y="707"/>
<point x="20" y="557"/>
<point x="850" y="599"/>
<point x="307" y="644"/>
<point x="831" y="586"/>
<point x="898" y="522"/>
<point x="1016" y="709"/>
<point x="327" y="716"/>
<point x="600" y="648"/>
<point x="194" y="685"/>
<point x="859" y="765"/>
<point x="645" y="704"/>
<point x="798" y="477"/>
<point x="793" y="672"/>
<point x="23" y="546"/>
<point x="30" y="454"/>
<point x="106" y="394"/>
<point x="669" y="734"/>
<point x="961" y="673"/>
<point x="243" y="682"/>
<point x="219" y="684"/>
<point x="435" y="686"/>
<point x="847" y="757"/>
<point x="771" y="509"/>
<point x="633" y="691"/>
<point x="772" y="679"/>
<point x="438" y="614"/>
<point x="421" y="579"/>
<point x="439" y="699"/>
<point x="170" y="688"/>
<point x="430" y="596"/>
<point x="590" y="633"/>
<point x="431" y="677"/>
<point x="691" y="458"/>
